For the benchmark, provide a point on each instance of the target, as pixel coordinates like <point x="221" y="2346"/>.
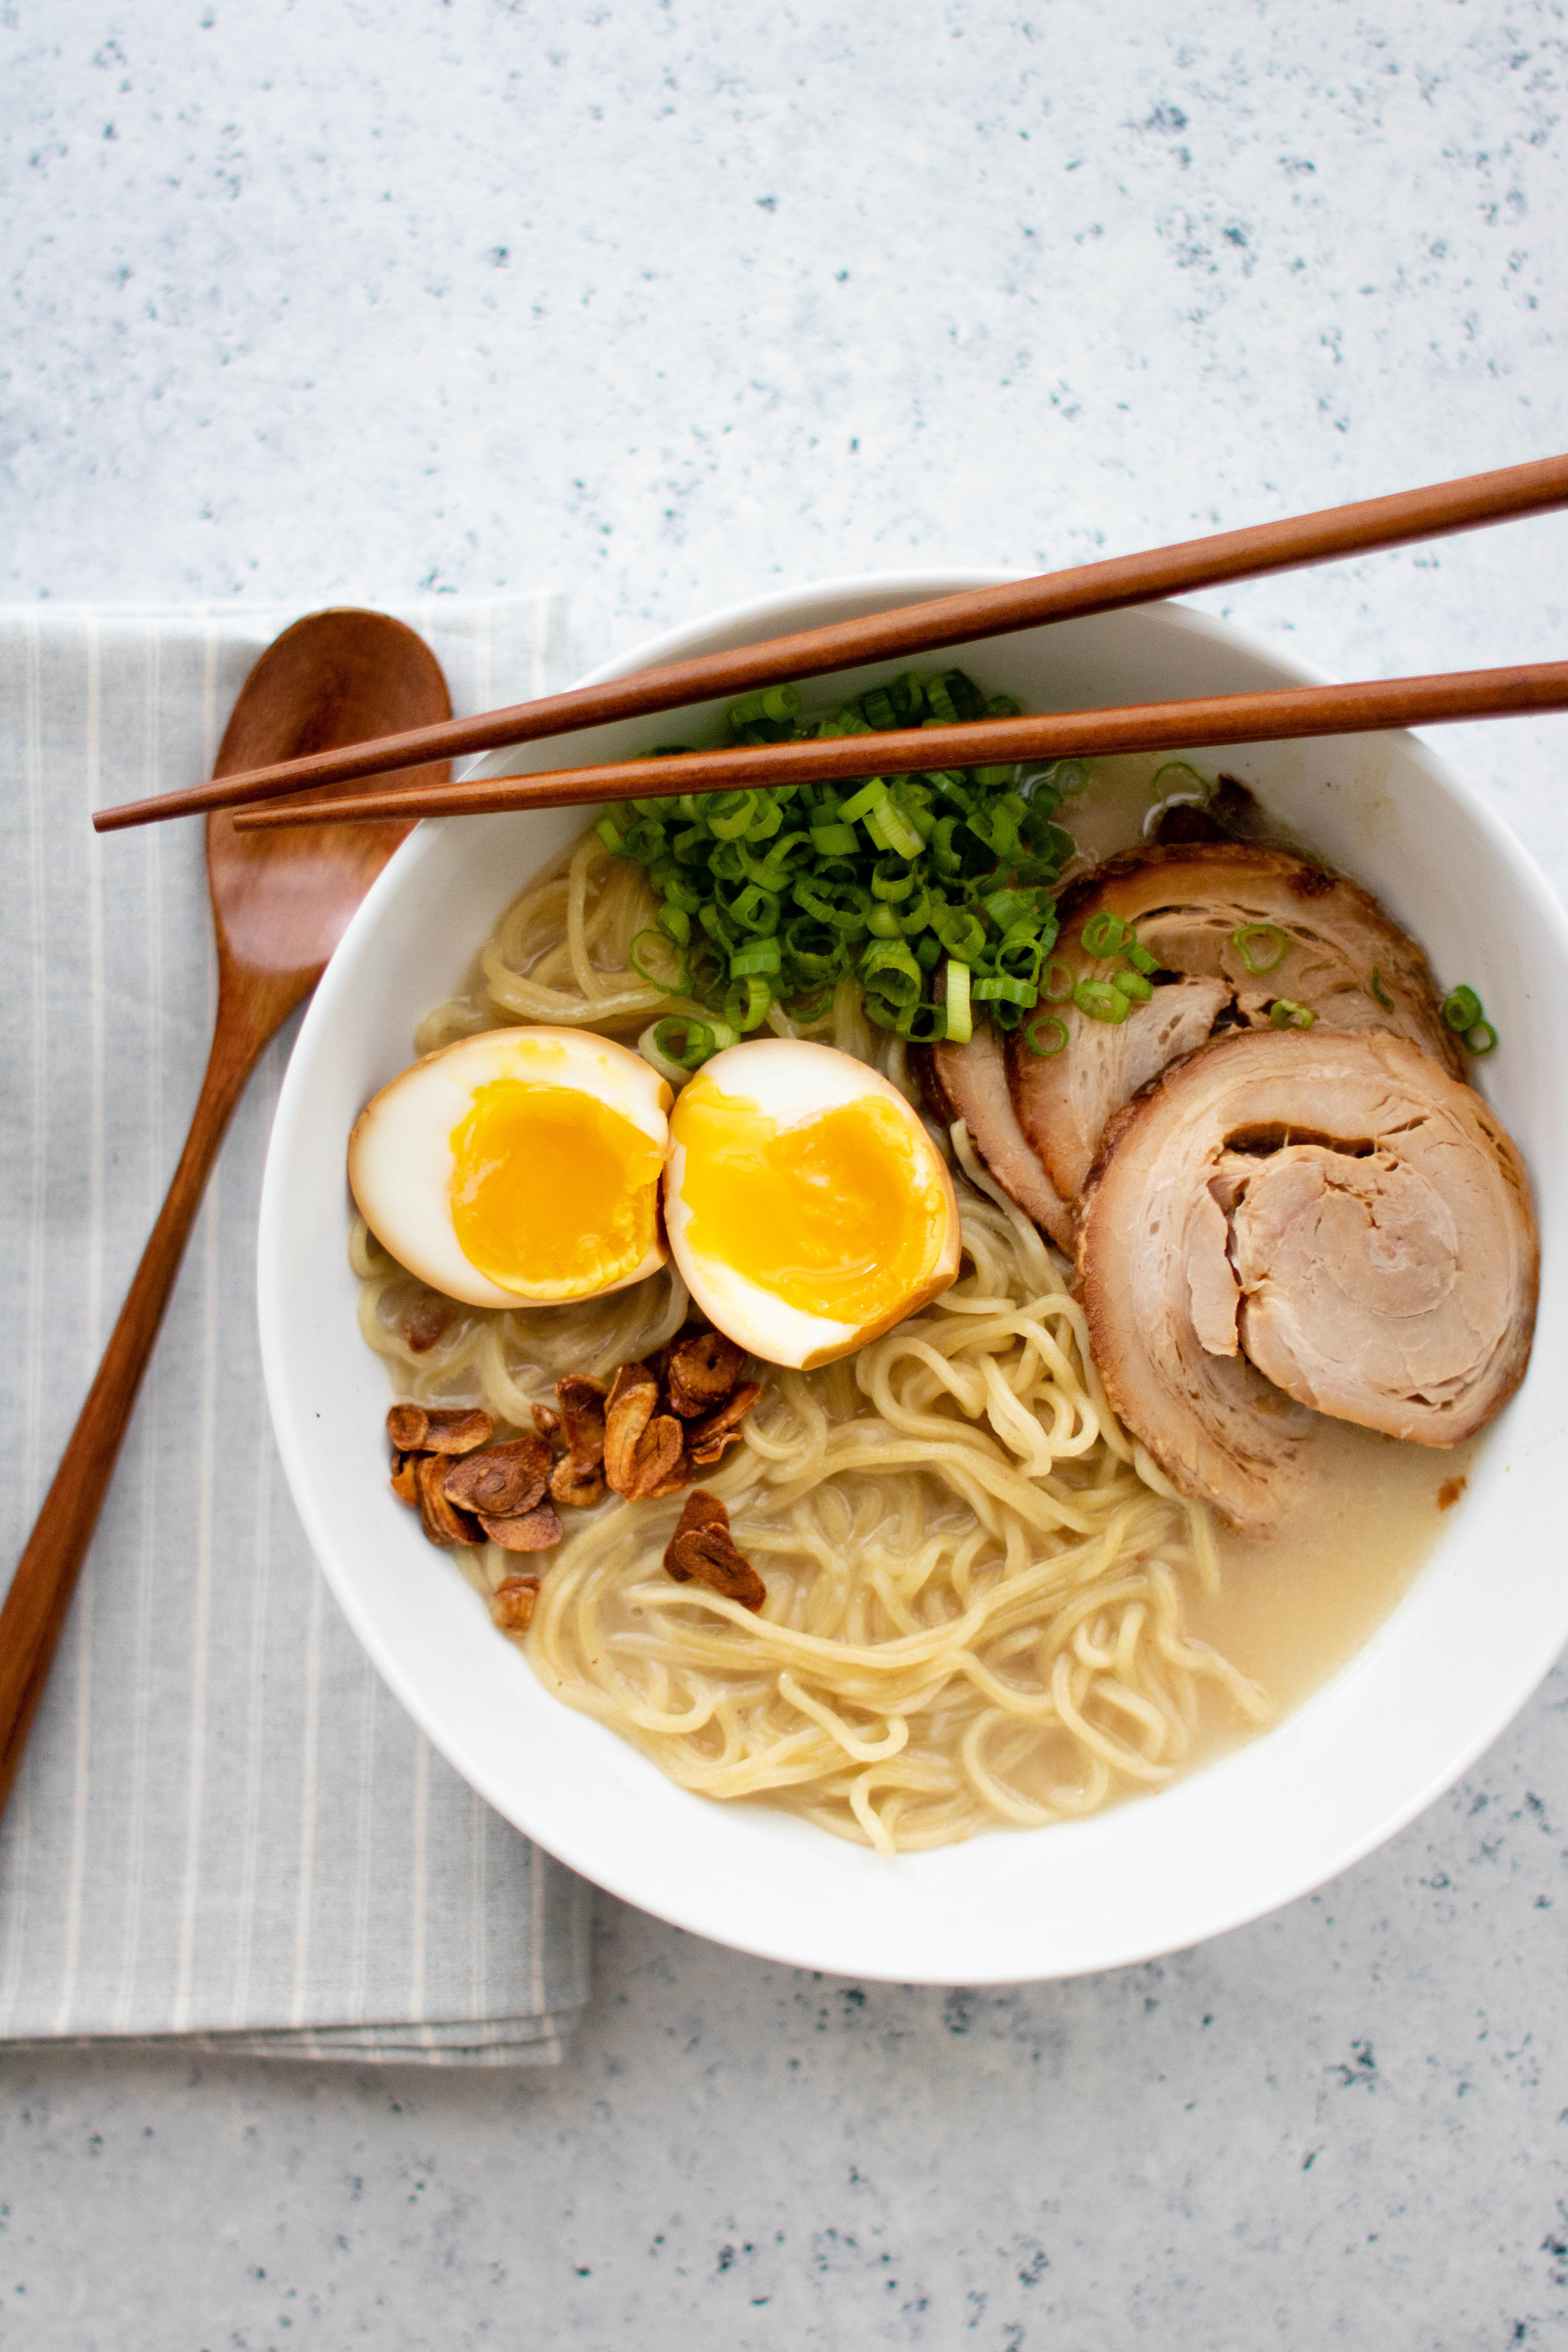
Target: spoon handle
<point x="34" y="1610"/>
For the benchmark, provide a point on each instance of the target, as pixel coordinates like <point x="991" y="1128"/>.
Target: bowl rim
<point x="751" y="616"/>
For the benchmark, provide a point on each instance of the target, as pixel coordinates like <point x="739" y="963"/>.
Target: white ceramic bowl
<point x="1460" y="1653"/>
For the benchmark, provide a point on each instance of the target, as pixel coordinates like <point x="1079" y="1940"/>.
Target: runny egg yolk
<point x="832" y="1214"/>
<point x="551" y="1186"/>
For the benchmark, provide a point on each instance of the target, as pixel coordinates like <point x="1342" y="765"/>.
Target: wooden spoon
<point x="281" y="904"/>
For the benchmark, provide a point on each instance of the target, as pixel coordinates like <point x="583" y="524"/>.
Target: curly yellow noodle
<point x="976" y="1584"/>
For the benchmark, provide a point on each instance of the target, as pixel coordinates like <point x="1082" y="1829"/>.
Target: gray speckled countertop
<point x="659" y="303"/>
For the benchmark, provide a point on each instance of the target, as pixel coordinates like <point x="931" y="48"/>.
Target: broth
<point x="1291" y="1611"/>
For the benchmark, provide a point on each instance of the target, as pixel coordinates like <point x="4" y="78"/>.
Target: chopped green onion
<point x="874" y="806"/>
<point x="766" y="818"/>
<point x="994" y="822"/>
<point x="1105" y="934"/>
<point x="892" y="971"/>
<point x="1056" y="992"/>
<point x="755" y="910"/>
<point x="700" y="1040"/>
<point x="1020" y="955"/>
<point x="746" y="1003"/>
<point x="814" y="950"/>
<point x="965" y="695"/>
<point x="842" y="905"/>
<point x="764" y="897"/>
<point x="764" y="956"/>
<point x="1100" y="1001"/>
<point x="719" y="927"/>
<point x="1032" y="1035"/>
<point x="851" y="810"/>
<point x="916" y="914"/>
<point x="1379" y="991"/>
<point x="1133" y="983"/>
<point x="892" y="878"/>
<point x="962" y="934"/>
<point x="1286" y="1013"/>
<point x="1000" y="988"/>
<point x="916" y="810"/>
<point x="897" y="829"/>
<point x="777" y="704"/>
<point x="1272" y="936"/>
<point x="959" y="1020"/>
<point x="939" y="705"/>
<point x="729" y="814"/>
<point x="1138" y="957"/>
<point x="922" y="1024"/>
<point x="644" y="841"/>
<point x="1462" y="1009"/>
<point x="674" y="1074"/>
<point x="1006" y="906"/>
<point x="1481" y="1038"/>
<point x="946" y="859"/>
<point x="679" y="986"/>
<point x="773" y="871"/>
<point x="1051" y="845"/>
<point x="835" y="840"/>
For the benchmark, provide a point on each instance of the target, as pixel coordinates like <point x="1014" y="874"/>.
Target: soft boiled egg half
<point x="807" y="1208"/>
<point x="519" y="1168"/>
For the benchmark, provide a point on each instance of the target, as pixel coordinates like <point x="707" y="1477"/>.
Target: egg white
<point x="400" y="1153"/>
<point x="791" y="1080"/>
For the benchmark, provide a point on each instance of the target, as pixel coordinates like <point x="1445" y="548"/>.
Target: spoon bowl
<point x="330" y="679"/>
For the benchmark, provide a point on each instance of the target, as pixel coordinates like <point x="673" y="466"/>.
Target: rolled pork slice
<point x="969" y="1082"/>
<point x="1293" y="1219"/>
<point x="1328" y="944"/>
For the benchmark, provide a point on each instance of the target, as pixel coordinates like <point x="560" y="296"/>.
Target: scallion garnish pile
<point x="773" y="896"/>
<point x="933" y="889"/>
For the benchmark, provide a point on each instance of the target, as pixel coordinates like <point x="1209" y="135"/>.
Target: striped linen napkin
<point x="224" y="1828"/>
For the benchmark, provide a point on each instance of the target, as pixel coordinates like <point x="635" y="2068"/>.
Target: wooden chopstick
<point x="1264" y="716"/>
<point x="1281" y="546"/>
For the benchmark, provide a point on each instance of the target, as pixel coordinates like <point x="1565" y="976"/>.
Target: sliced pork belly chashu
<point x="969" y="1082"/>
<point x="1187" y="903"/>
<point x="1304" y="1218"/>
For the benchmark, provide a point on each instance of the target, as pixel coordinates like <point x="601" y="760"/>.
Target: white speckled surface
<point x="661" y="303"/>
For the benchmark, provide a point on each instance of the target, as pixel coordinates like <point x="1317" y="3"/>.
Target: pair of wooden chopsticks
<point x="1373" y="523"/>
